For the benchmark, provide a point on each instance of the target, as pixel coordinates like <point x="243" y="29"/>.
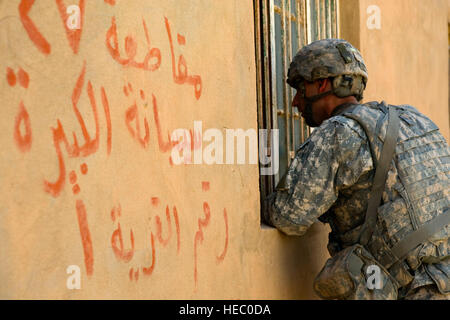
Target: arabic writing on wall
<point x="166" y="224"/>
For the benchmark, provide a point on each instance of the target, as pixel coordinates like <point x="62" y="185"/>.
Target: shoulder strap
<point x="381" y="171"/>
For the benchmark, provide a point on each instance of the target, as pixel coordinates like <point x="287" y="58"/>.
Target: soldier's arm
<point x="333" y="157"/>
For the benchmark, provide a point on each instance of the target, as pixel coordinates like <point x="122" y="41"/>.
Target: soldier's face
<point x="308" y="112"/>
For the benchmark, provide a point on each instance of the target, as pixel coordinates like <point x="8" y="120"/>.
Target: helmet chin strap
<point x="308" y="107"/>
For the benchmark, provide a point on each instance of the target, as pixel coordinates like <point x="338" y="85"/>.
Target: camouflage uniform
<point x="331" y="177"/>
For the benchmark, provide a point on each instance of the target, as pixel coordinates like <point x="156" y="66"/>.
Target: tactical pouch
<point x="440" y="274"/>
<point x="353" y="274"/>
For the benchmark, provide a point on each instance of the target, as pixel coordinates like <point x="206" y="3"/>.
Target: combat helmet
<point x="330" y="58"/>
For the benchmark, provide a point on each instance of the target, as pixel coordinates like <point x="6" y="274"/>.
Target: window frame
<point x="313" y="20"/>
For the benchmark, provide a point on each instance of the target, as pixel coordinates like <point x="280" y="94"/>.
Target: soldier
<point x="377" y="173"/>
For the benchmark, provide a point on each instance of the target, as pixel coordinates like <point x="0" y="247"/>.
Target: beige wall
<point x="44" y="230"/>
<point x="407" y="58"/>
<point x="43" y="233"/>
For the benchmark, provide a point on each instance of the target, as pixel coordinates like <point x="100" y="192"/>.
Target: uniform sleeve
<point x="334" y="157"/>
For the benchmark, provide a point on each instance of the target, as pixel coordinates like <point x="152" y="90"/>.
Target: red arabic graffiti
<point x="85" y="237"/>
<point x="22" y="125"/>
<point x="127" y="255"/>
<point x="179" y="69"/>
<point x="166" y="230"/>
<point x="132" y="115"/>
<point x="153" y="54"/>
<point x="108" y="121"/>
<point x="23" y="141"/>
<point x="149" y="270"/>
<point x="75" y="150"/>
<point x="162" y="235"/>
<point x="202" y="225"/>
<point x="24" y="79"/>
<point x="73" y="178"/>
<point x="225" y="249"/>
<point x="182" y="76"/>
<point x="22" y="76"/>
<point x="118" y="248"/>
<point x="163" y="241"/>
<point x="33" y="32"/>
<point x="10" y="77"/>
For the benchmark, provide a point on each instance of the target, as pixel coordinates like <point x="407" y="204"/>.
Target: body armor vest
<point x="417" y="187"/>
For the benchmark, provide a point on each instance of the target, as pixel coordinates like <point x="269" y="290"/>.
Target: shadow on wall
<point x="304" y="258"/>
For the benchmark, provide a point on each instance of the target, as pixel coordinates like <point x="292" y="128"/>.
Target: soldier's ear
<point x="323" y="83"/>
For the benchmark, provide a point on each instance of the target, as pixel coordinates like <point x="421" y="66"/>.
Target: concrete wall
<point x="81" y="182"/>
<point x="407" y="56"/>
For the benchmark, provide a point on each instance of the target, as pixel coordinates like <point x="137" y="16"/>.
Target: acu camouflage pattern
<point x="331" y="177"/>
<point x="428" y="292"/>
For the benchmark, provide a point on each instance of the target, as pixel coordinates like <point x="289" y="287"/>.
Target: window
<point x="282" y="27"/>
